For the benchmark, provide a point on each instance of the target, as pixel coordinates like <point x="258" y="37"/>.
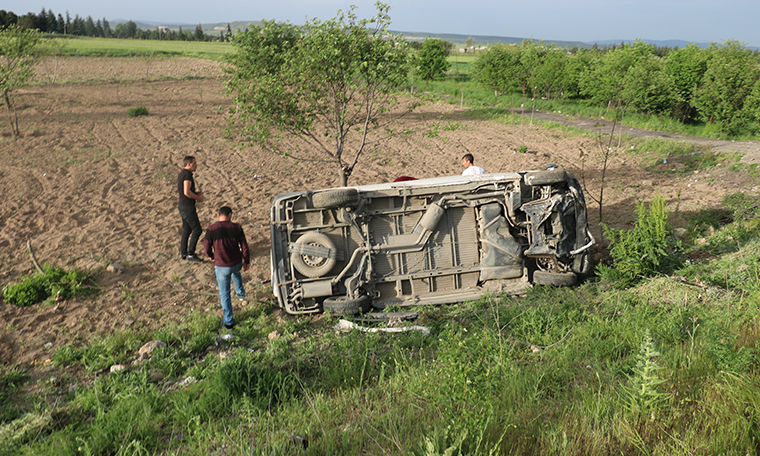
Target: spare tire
<point x="342" y="305"/>
<point x="536" y="178"/>
<point x="555" y="279"/>
<point x="335" y="198"/>
<point x="313" y="266"/>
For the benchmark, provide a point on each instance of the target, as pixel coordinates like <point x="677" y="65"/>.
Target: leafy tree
<point x="319" y="83"/>
<point x="576" y="67"/>
<point x="525" y="70"/>
<point x="646" y="87"/>
<point x="495" y="67"/>
<point x="550" y="76"/>
<point x="431" y="60"/>
<point x="752" y="104"/>
<point x="685" y="67"/>
<point x="732" y="72"/>
<point x="616" y="82"/>
<point x="20" y="48"/>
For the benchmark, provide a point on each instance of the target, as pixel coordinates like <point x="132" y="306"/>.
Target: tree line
<point x="719" y="84"/>
<point x="48" y="22"/>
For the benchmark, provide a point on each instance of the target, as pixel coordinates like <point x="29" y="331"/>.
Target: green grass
<point x="111" y="47"/>
<point x="668" y="366"/>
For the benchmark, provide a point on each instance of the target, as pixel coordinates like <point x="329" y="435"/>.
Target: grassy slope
<point x="666" y="367"/>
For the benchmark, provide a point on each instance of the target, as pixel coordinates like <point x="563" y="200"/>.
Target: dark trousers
<point x="191" y="230"/>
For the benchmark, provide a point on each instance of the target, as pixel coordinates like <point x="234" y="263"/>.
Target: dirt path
<point x="750" y="149"/>
<point x="90" y="186"/>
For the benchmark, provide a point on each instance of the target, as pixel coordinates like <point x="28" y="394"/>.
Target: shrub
<point x="54" y="282"/>
<point x="646" y="251"/>
<point x="137" y="111"/>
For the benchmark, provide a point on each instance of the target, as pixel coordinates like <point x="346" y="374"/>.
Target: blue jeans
<point x="223" y="275"/>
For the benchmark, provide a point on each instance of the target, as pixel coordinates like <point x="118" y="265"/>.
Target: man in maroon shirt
<point x="225" y="244"/>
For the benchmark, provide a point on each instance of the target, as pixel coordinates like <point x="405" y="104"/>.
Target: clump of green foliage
<point x="646" y="251"/>
<point x="137" y="111"/>
<point x="523" y="149"/>
<point x="55" y="282"/>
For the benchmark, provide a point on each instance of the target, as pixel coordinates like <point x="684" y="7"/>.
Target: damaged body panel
<point x="428" y="241"/>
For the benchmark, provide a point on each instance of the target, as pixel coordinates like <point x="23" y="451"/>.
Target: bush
<point x="137" y="111"/>
<point x="55" y="282"/>
<point x="646" y="251"/>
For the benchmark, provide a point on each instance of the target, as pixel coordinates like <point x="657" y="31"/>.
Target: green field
<point x="113" y="47"/>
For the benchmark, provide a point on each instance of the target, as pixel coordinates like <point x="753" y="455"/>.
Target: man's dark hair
<point x="469" y="158"/>
<point x="225" y="210"/>
<point x="187" y="160"/>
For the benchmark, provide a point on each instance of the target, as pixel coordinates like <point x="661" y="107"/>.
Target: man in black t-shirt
<point x="191" y="226"/>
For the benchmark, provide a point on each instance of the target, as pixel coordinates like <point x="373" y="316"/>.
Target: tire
<point x="313" y="266"/>
<point x="537" y="178"/>
<point x="335" y="198"/>
<point x="342" y="305"/>
<point x="555" y="279"/>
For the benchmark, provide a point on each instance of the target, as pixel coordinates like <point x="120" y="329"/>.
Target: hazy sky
<point x="590" y="21"/>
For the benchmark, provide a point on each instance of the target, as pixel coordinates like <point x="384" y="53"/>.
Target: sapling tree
<point x="323" y="84"/>
<point x="20" y="49"/>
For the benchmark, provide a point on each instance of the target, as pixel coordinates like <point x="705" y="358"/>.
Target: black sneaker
<point x="194" y="259"/>
<point x="230" y="327"/>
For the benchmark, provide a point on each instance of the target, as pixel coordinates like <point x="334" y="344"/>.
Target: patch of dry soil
<point x="89" y="186"/>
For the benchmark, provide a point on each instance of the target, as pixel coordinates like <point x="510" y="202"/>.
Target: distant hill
<point x="481" y="40"/>
<point x="457" y="39"/>
<point x="486" y="40"/>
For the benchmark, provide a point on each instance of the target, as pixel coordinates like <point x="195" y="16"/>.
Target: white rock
<point x="146" y="351"/>
<point x="188" y="381"/>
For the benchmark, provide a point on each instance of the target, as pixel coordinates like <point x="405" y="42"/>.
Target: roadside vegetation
<point x="666" y="365"/>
